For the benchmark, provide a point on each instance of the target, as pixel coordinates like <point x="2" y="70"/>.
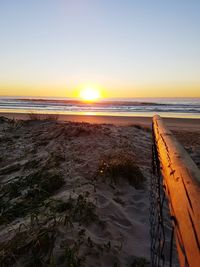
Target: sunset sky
<point x="125" y="48"/>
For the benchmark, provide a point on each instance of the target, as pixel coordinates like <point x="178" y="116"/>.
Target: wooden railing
<point x="181" y="179"/>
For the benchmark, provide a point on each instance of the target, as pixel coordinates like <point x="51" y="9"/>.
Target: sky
<point x="129" y="48"/>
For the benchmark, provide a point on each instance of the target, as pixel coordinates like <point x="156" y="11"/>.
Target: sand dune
<point x="66" y="195"/>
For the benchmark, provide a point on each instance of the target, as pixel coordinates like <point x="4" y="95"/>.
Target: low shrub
<point x="120" y="165"/>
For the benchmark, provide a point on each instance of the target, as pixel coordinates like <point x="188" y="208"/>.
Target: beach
<point x="76" y="188"/>
<point x="189" y="124"/>
<point x="99" y="133"/>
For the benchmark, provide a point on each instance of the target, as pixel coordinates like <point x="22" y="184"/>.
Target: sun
<point x="90" y="94"/>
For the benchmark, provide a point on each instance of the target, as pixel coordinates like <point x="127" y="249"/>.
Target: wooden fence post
<point x="181" y="178"/>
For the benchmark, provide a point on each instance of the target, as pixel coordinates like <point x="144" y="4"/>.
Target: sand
<point x="174" y="123"/>
<point x="66" y="195"/>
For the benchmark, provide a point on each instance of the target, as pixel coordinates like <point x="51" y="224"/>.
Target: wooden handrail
<point x="181" y="178"/>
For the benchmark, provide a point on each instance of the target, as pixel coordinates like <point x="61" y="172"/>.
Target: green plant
<point x="25" y="194"/>
<point x="35" y="241"/>
<point x="57" y="205"/>
<point x="72" y="258"/>
<point x="83" y="210"/>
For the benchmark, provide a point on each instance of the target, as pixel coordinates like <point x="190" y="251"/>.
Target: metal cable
<point x="162" y="250"/>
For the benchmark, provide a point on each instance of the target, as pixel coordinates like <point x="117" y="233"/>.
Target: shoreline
<point x="173" y="123"/>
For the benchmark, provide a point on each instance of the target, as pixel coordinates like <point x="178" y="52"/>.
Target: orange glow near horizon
<point x="103" y="91"/>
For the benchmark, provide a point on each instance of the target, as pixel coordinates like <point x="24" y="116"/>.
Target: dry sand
<point x="174" y="123"/>
<point x="66" y="197"/>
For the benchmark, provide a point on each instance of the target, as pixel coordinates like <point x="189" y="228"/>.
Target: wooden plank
<point x="181" y="177"/>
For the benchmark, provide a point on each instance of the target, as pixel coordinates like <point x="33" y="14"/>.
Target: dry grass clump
<point x="43" y="117"/>
<point x="121" y="166"/>
<point x="13" y="125"/>
<point x="80" y="129"/>
<point x="71" y="130"/>
<point x="4" y="119"/>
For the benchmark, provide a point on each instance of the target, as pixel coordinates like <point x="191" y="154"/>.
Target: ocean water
<point x="166" y="107"/>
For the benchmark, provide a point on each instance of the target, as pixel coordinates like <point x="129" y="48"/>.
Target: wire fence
<point x="163" y="251"/>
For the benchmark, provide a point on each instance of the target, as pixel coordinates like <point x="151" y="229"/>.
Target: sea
<point x="166" y="107"/>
